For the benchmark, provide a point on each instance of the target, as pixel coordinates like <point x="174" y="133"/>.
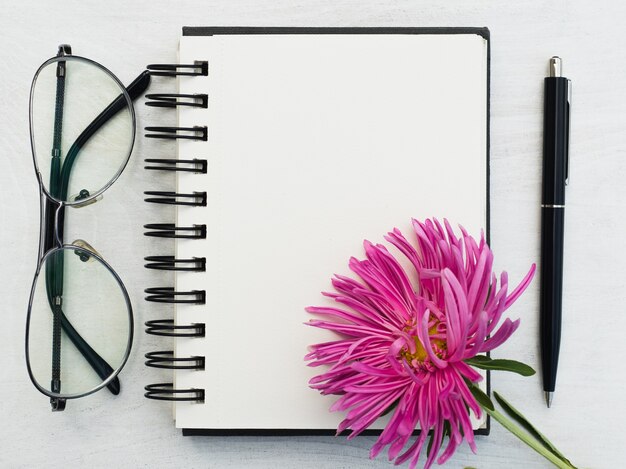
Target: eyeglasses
<point x="79" y="326"/>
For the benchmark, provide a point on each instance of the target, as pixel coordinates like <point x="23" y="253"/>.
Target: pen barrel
<point x="551" y="293"/>
<point x="555" y="140"/>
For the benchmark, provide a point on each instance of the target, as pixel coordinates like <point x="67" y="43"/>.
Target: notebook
<point x="316" y="139"/>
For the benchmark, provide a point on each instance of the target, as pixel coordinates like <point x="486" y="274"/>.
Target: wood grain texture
<point x="129" y="431"/>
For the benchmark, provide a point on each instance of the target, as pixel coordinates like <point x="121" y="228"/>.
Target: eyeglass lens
<point x="69" y="94"/>
<point x="89" y="305"/>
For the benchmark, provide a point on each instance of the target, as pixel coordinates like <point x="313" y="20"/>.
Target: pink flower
<point x="405" y="335"/>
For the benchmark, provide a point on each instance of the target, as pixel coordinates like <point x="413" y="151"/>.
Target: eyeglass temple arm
<point x="134" y="90"/>
<point x="55" y="290"/>
<point x="99" y="364"/>
<point x="54" y="276"/>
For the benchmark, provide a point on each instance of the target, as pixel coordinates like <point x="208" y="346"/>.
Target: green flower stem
<point x="518" y="432"/>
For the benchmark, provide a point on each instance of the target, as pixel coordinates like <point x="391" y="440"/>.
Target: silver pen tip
<point x="555" y="67"/>
<point x="549" y="396"/>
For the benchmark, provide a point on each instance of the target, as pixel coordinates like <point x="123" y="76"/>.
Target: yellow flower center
<point x="420" y="355"/>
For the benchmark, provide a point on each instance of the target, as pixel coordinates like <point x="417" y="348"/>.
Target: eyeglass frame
<point x="52" y="222"/>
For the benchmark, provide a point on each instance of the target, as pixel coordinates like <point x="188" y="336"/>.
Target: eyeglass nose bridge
<point x="52" y="225"/>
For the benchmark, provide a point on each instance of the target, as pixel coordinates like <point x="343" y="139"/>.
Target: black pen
<point x="555" y="178"/>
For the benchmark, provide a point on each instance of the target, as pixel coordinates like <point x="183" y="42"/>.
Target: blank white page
<point x="316" y="142"/>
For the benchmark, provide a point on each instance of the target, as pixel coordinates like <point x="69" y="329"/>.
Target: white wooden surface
<point x="129" y="431"/>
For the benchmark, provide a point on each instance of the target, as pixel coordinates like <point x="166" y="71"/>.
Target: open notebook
<point x="317" y="139"/>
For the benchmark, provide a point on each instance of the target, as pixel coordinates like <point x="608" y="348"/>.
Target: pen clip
<point x="568" y="132"/>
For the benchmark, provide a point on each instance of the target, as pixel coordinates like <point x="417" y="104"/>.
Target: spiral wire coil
<point x="169" y="295"/>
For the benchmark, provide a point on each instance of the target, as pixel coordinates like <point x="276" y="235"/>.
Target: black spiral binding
<point x="197" y="132"/>
<point x="169" y="295"/>
<point x="189" y="166"/>
<point x="196" y="264"/>
<point x="198" y="68"/>
<point x="166" y="359"/>
<point x="171" y="100"/>
<point x="168" y="327"/>
<point x="169" y="230"/>
<point x="197" y="199"/>
<point x="166" y="392"/>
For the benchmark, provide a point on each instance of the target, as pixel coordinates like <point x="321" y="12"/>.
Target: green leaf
<point x="557" y="459"/>
<point x="529" y="427"/>
<point x="480" y="396"/>
<point x="486" y="363"/>
<point x="430" y="444"/>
